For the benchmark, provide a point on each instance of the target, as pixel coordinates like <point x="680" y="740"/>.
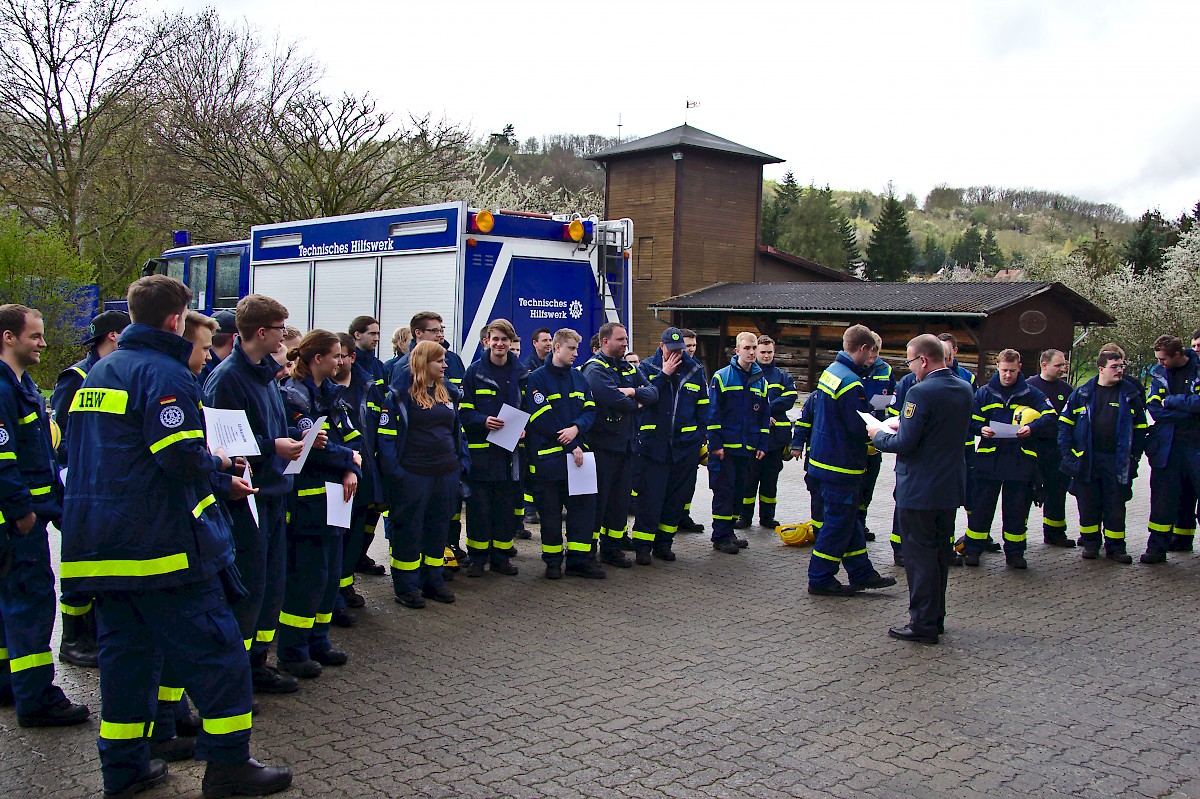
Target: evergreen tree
<point x="891" y="252"/>
<point x="1151" y="237"/>
<point x="968" y="251"/>
<point x="933" y="255"/>
<point x="850" y="252"/>
<point x="789" y="191"/>
<point x="990" y="252"/>
<point x="814" y="229"/>
<point x="778" y="210"/>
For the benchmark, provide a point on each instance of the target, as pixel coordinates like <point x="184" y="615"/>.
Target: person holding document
<point x="246" y="381"/>
<point x="314" y="547"/>
<point x="561" y="412"/>
<point x="494" y="479"/>
<point x="422" y="455"/>
<point x="1005" y="459"/>
<point x="931" y="481"/>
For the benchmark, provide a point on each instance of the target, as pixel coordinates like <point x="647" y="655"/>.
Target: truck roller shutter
<point x="288" y="283"/>
<point x="413" y="283"/>
<point x="345" y="288"/>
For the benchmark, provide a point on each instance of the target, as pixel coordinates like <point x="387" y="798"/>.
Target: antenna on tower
<point x="618" y="128"/>
<point x="688" y="104"/>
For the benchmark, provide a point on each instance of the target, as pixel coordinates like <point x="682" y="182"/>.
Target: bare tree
<point x="272" y="147"/>
<point x="76" y="78"/>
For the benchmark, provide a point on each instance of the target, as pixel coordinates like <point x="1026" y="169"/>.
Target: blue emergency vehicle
<point x="470" y="265"/>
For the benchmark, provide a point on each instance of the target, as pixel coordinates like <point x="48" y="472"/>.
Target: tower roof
<point x="683" y="136"/>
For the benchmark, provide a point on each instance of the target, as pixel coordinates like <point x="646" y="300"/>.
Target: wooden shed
<point x="808" y="319"/>
<point x="695" y="201"/>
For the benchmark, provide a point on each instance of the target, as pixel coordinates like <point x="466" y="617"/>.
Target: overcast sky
<point x="1095" y="98"/>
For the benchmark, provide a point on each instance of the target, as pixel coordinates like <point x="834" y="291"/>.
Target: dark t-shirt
<point x="430" y="447"/>
<point x="1057" y="391"/>
<point x="1104" y="420"/>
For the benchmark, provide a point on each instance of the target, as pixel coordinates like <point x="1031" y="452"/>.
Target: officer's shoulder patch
<point x="909" y="409"/>
<point x="3" y="435"/>
<point x="538" y="397"/>
<point x="305" y="423"/>
<point x="384" y="418"/>
<point x="171" y="416"/>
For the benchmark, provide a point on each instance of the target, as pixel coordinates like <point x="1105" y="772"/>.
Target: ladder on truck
<point x="611" y="240"/>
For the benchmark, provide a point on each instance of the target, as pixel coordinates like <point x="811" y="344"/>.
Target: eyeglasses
<point x="273" y="327"/>
<point x="435" y="330"/>
<point x="910" y="360"/>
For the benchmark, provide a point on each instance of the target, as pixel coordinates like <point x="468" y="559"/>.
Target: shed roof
<point x="966" y="299"/>
<point x="683" y="136"/>
<point x="804" y="263"/>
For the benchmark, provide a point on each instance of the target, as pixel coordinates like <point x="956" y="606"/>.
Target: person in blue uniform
<point x="428" y="326"/>
<point x="930" y="481"/>
<point x="423" y="458"/>
<point x="78" y="644"/>
<point x="738" y="429"/>
<point x="494" y="487"/>
<point x="369" y="380"/>
<point x="1173" y="442"/>
<point x="314" y="547"/>
<point x="31" y="496"/>
<point x="670" y="435"/>
<point x="878" y="382"/>
<point x="762" y="480"/>
<point x="837" y="461"/>
<point x="1051" y="382"/>
<point x="561" y="412"/>
<point x="246" y="381"/>
<point x="1101" y="432"/>
<point x="687" y="524"/>
<point x="222" y="342"/>
<point x="143" y="533"/>
<point x="619" y="391"/>
<point x="1005" y="466"/>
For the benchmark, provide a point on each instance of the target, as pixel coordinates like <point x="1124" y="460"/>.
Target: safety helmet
<point x="1023" y="415"/>
<point x="704" y="454"/>
<point x="796" y="535"/>
<point x="55" y="434"/>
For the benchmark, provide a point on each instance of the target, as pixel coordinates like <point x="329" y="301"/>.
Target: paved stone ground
<point x="718" y="676"/>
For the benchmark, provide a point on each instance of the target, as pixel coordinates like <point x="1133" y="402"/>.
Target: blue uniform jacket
<point x="781" y="398"/>
<point x="1075" y="431"/>
<point x="1008" y="458"/>
<point x="534" y="362"/>
<point x="239" y="384"/>
<point x="936" y="416"/>
<point x="139" y="511"/>
<point x="802" y="429"/>
<point x="910" y="379"/>
<point x="837" y="449"/>
<point x="557" y="397"/>
<point x="481" y="399"/>
<point x="362" y="397"/>
<point x="877" y="380"/>
<point x="673" y="429"/>
<point x="1172" y="412"/>
<point x="454" y="368"/>
<point x="211" y="364"/>
<point x="306" y="402"/>
<point x="616" y="414"/>
<point x="69" y="381"/>
<point x="28" y="466"/>
<point x="391" y="436"/>
<point x="740" y="416"/>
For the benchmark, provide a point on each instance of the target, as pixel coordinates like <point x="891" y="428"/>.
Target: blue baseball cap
<point x="672" y="339"/>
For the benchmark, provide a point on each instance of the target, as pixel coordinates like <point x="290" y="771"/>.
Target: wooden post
<point x="812" y="358"/>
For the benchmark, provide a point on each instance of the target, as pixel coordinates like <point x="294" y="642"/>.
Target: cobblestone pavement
<point x="718" y="676"/>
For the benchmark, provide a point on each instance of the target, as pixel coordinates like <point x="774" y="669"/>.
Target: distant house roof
<point x="804" y="263"/>
<point x="969" y="299"/>
<point x="682" y="136"/>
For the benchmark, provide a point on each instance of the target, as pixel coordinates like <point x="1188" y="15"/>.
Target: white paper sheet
<point x="309" y="438"/>
<point x="514" y="420"/>
<point x="1004" y="430"/>
<point x="892" y="423"/>
<point x="881" y="401"/>
<point x="250" y="499"/>
<point x="581" y="479"/>
<point x="337" y="511"/>
<point x="229" y="429"/>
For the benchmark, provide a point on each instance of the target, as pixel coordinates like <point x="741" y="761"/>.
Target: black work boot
<point x="615" y="557"/>
<point x="245" y="779"/>
<point x="78" y="645"/>
<point x="62" y="714"/>
<point x="155" y="774"/>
